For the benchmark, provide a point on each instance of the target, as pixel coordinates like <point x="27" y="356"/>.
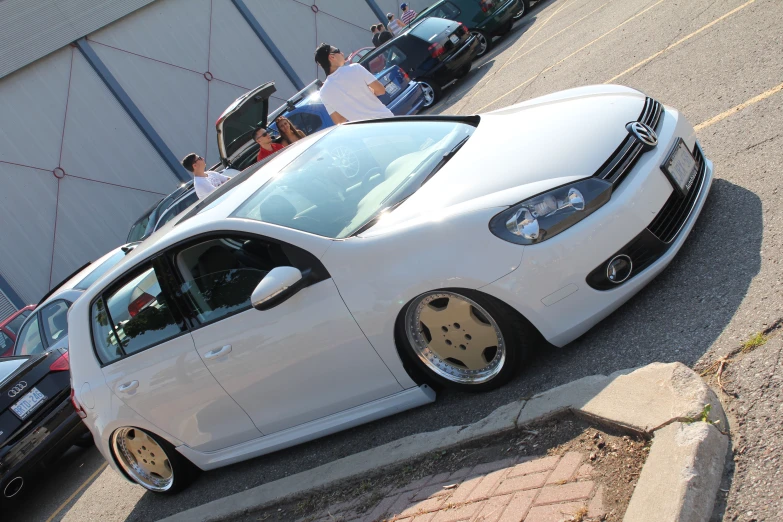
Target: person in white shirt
<point x="350" y="91"/>
<point x="204" y="181"/>
<point x="395" y="26"/>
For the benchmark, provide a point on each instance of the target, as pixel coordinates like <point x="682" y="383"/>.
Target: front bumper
<point x="549" y="287"/>
<point x="51" y="438"/>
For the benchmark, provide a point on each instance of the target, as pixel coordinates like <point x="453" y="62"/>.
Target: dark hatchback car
<point x="434" y="52"/>
<point x="38" y="421"/>
<point x="484" y="19"/>
<point x="146" y="224"/>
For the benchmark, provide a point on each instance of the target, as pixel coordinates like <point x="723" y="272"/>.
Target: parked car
<point x="434" y="52"/>
<point x="146" y="224"/>
<point x="358" y="54"/>
<point x="37" y="419"/>
<point x="46" y="327"/>
<point x="484" y="19"/>
<point x="9" y="328"/>
<point x="296" y="301"/>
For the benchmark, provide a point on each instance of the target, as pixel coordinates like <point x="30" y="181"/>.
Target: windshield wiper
<point x="373" y="220"/>
<point x="446" y="157"/>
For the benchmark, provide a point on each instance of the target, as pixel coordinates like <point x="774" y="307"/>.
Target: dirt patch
<point x="617" y="459"/>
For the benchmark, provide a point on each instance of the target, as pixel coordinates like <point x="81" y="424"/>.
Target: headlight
<point x="546" y="215"/>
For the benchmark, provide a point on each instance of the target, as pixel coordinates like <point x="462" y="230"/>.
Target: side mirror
<point x="277" y="286"/>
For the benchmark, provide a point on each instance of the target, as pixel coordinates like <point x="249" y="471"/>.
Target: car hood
<point x="523" y="150"/>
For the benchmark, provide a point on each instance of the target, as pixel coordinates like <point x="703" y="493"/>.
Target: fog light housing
<point x="619" y="269"/>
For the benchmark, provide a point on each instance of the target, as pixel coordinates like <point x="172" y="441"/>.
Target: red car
<point x="10" y="327"/>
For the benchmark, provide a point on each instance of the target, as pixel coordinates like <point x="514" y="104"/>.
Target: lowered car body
<point x="298" y="299"/>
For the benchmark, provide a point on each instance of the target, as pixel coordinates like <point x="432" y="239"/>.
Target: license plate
<point x="454" y="38"/>
<point x="27" y="404"/>
<point x="680" y="167"/>
<point x="392" y="88"/>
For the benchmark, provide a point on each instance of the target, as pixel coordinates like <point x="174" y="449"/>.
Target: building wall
<point x="75" y="169"/>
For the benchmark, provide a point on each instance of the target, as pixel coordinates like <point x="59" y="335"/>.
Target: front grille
<point x="676" y="210"/>
<point x="627" y="154"/>
<point x="653" y="242"/>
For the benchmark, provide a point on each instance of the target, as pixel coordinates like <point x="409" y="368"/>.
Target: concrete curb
<point x="655" y="400"/>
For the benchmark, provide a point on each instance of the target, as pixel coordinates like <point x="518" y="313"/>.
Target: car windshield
<point x="10" y="366"/>
<point x="104" y="267"/>
<point x="352" y="174"/>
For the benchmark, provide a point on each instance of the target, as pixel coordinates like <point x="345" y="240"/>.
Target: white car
<point x="297" y="300"/>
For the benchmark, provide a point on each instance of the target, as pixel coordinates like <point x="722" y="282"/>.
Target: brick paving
<point x="529" y="489"/>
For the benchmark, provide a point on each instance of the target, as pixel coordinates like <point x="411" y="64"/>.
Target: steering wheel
<point x="372" y="179"/>
<point x="346" y="160"/>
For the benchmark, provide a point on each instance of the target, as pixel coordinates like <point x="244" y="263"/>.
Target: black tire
<point x="518" y="336"/>
<point x="485" y="42"/>
<point x="183" y="472"/>
<point x="434" y="89"/>
<point x="522" y="12"/>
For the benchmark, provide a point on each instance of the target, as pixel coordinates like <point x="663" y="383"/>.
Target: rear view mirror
<point x="277" y="286"/>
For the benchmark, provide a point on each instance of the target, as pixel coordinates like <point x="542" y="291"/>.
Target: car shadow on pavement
<point x="676" y="318"/>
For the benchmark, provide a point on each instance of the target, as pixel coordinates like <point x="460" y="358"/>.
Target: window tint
<point x="445" y="10"/>
<point x="307" y="122"/>
<point x="133" y="317"/>
<point x="390" y="55"/>
<point x="16" y="323"/>
<point x="177" y="208"/>
<point x="5" y="343"/>
<point x="220" y="274"/>
<point x="55" y="321"/>
<point x="29" y="340"/>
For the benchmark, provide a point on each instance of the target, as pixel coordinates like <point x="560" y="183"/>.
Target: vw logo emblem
<point x="643" y="134"/>
<point x="16" y="390"/>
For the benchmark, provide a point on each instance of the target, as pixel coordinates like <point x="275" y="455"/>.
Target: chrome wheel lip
<point x="432" y="361"/>
<point x="135" y="470"/>
<point x="429" y="94"/>
<point x="482" y="42"/>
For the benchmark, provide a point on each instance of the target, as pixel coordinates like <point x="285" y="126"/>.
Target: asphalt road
<point x="705" y="57"/>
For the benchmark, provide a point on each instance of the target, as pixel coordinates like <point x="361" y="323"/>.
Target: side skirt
<point x="404" y="400"/>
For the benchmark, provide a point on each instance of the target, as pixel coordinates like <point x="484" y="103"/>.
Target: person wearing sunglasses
<point x="266" y="147"/>
<point x="204" y="181"/>
<point x="350" y="91"/>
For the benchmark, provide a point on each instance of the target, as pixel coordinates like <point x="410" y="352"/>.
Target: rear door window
<point x="54" y="318"/>
<point x="133" y="317"/>
<point x="29" y="341"/>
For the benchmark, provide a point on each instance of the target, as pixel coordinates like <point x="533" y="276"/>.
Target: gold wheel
<point x="143" y="459"/>
<point x="455" y="337"/>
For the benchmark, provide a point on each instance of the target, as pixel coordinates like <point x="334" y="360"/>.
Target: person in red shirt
<point x="264" y="140"/>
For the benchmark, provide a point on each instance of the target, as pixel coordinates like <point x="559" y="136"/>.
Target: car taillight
<point x="76" y="406"/>
<point x="139" y="303"/>
<point x="463" y="28"/>
<point x="62" y="364"/>
<point x="436" y="50"/>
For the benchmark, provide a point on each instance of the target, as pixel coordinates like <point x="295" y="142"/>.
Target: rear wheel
<point x="431" y="92"/>
<point x="151" y="461"/>
<point x="463" y="339"/>
<point x="484" y="42"/>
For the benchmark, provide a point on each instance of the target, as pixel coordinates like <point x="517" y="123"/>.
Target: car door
<point x="296" y="362"/>
<point x="151" y="364"/>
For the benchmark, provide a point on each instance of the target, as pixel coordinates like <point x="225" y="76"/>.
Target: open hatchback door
<point x="235" y="126"/>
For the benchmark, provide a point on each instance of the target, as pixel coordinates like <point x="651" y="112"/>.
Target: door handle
<point x="128" y="386"/>
<point x="217" y="352"/>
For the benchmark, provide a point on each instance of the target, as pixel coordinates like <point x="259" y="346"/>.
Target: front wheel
<point x="484" y="43"/>
<point x="463" y="339"/>
<point x="150" y="461"/>
<point x="431" y="92"/>
<point x="525" y="6"/>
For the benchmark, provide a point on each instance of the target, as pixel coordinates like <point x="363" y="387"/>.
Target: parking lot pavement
<point x="705" y="57"/>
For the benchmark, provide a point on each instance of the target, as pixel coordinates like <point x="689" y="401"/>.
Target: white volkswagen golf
<point x="302" y="298"/>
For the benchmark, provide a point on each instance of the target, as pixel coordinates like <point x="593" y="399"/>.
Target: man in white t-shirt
<point x="350" y="91"/>
<point x="203" y="181"/>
